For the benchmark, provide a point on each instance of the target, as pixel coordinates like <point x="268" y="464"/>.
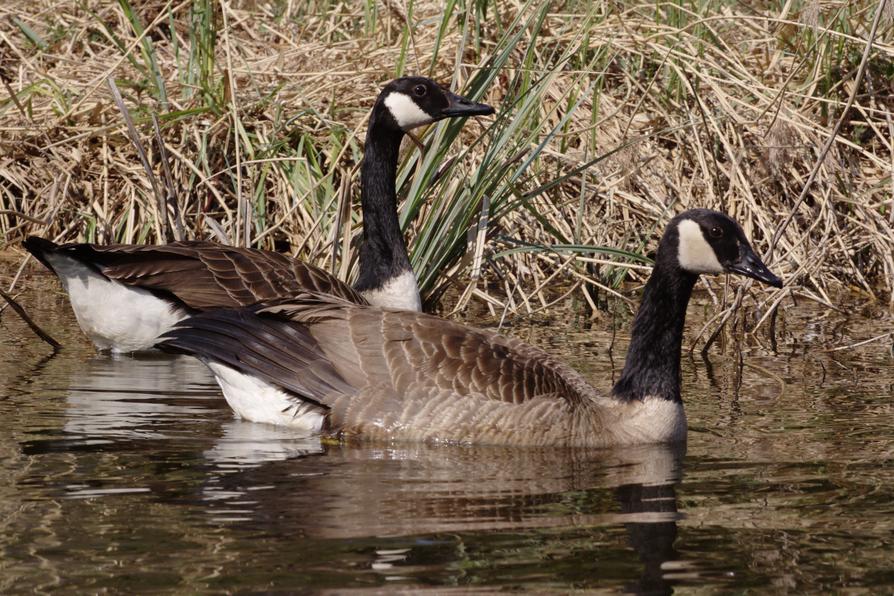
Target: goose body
<point x="322" y="363"/>
<point x="318" y="364"/>
<point x="126" y="296"/>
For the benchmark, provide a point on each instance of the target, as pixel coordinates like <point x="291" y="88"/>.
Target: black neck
<point x="383" y="252"/>
<point x="652" y="368"/>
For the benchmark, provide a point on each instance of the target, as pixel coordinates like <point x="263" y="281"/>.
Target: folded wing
<point x="375" y="367"/>
<point x="205" y="275"/>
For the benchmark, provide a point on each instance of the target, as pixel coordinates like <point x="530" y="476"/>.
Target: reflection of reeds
<point x="607" y="123"/>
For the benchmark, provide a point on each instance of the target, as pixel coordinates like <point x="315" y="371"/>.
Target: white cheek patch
<point x="405" y="111"/>
<point x="694" y="253"/>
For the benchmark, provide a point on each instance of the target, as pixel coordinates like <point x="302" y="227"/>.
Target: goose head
<point x="409" y="102"/>
<point x="705" y="241"/>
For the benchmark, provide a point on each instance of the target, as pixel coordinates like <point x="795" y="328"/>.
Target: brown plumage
<point x="387" y="374"/>
<point x="204" y="275"/>
<point x="322" y="363"/>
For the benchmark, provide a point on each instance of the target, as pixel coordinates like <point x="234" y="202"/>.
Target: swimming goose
<point x="125" y="296"/>
<point x="324" y="364"/>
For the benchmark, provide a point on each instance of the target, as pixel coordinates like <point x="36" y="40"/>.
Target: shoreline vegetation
<point x="611" y="118"/>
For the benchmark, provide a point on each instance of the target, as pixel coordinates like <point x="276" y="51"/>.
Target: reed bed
<point x="612" y="116"/>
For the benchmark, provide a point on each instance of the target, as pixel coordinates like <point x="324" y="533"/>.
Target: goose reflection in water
<point x="124" y="397"/>
<point x="276" y="481"/>
<point x="445" y="493"/>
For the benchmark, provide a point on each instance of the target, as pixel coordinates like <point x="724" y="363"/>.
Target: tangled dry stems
<point x="725" y="108"/>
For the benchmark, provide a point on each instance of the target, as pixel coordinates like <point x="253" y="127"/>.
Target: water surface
<point x="131" y="474"/>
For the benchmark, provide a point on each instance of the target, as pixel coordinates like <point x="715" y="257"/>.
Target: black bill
<point x="750" y="265"/>
<point x="459" y="107"/>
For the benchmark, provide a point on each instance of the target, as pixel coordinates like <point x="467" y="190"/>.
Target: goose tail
<point x="267" y="348"/>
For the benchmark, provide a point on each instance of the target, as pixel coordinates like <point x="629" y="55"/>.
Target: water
<point x="131" y="474"/>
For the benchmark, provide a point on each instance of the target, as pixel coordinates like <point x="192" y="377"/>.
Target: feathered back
<point x="372" y="346"/>
<point x="202" y="275"/>
<point x="386" y="371"/>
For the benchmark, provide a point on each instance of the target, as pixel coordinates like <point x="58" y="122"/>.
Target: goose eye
<point x="715" y="232"/>
<point x="419" y="90"/>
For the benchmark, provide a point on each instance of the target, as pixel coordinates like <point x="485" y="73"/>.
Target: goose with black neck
<point x="323" y="364"/>
<point x="698" y="241"/>
<point x="126" y="296"/>
<point x="386" y="275"/>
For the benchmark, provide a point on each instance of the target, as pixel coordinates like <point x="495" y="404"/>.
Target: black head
<point x="711" y="242"/>
<point x="409" y="102"/>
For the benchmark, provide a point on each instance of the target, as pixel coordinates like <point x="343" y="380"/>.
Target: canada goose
<point x="321" y="363"/>
<point x="125" y="296"/>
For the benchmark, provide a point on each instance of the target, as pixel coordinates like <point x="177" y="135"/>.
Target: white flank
<point x="116" y="317"/>
<point x="694" y="253"/>
<point x="653" y="420"/>
<point x="257" y="401"/>
<point x="400" y="292"/>
<point x="405" y="111"/>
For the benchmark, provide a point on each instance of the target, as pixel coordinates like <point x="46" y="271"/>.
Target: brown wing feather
<point x="402" y="349"/>
<point x="205" y="275"/>
<point x="392" y="374"/>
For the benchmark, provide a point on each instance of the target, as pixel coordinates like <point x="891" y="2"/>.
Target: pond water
<point x="131" y="474"/>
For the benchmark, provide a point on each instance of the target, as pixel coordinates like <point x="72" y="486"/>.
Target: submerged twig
<point x="34" y="326"/>
<point x="769" y="373"/>
<point x="861" y="343"/>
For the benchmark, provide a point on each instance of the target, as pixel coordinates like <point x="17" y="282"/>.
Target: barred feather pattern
<point x="397" y="375"/>
<point x="205" y="275"/>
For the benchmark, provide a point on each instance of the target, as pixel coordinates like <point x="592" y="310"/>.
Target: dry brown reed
<point x="638" y="111"/>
